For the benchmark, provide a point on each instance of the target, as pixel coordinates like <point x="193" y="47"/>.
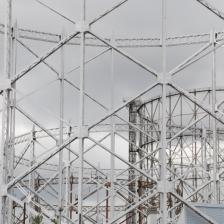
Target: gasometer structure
<point x="173" y="136"/>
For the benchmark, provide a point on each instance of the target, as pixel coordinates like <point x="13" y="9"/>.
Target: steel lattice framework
<point x="175" y="140"/>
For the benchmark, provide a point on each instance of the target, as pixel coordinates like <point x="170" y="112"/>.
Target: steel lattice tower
<point x="174" y="140"/>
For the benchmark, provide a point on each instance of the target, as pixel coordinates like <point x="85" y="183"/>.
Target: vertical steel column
<point x="204" y="162"/>
<point x="169" y="146"/>
<point x="81" y="114"/>
<point x="4" y="154"/>
<point x="107" y="202"/>
<point x="163" y="194"/>
<point x="98" y="196"/>
<point x="12" y="117"/>
<point x="181" y="137"/>
<point x="35" y="178"/>
<point x="71" y="209"/>
<point x="214" y="134"/>
<point x="68" y="177"/>
<point x="141" y="179"/>
<point x="61" y="133"/>
<point x="194" y="150"/>
<point x="32" y="175"/>
<point x="181" y="185"/>
<point x="131" y="216"/>
<point x="112" y="123"/>
<point x="152" y="142"/>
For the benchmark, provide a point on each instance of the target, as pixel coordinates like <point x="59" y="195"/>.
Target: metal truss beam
<point x="211" y="8"/>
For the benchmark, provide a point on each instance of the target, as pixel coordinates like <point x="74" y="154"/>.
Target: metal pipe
<point x="112" y="123"/>
<point x="61" y="133"/>
<point x="68" y="191"/>
<point x="4" y="153"/>
<point x="162" y="154"/>
<point x="81" y="114"/>
<point x="214" y="125"/>
<point x="12" y="115"/>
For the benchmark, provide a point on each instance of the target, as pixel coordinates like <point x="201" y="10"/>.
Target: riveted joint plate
<point x="82" y="26"/>
<point x="164" y="79"/>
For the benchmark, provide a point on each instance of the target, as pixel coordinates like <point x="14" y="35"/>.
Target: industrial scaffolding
<point x="174" y="137"/>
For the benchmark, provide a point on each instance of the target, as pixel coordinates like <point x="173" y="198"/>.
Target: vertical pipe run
<point x="170" y="160"/>
<point x="181" y="145"/>
<point x="112" y="122"/>
<point x="7" y="39"/>
<point x="152" y="143"/>
<point x="194" y="150"/>
<point x="107" y="203"/>
<point x="61" y="133"/>
<point x="141" y="179"/>
<point x="163" y="201"/>
<point x="4" y="153"/>
<point x="204" y="162"/>
<point x="24" y="213"/>
<point x="132" y="216"/>
<point x="32" y="175"/>
<point x="81" y="114"/>
<point x="36" y="183"/>
<point x="214" y="134"/>
<point x="98" y="196"/>
<point x="71" y="209"/>
<point x="12" y="116"/>
<point x="68" y="191"/>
